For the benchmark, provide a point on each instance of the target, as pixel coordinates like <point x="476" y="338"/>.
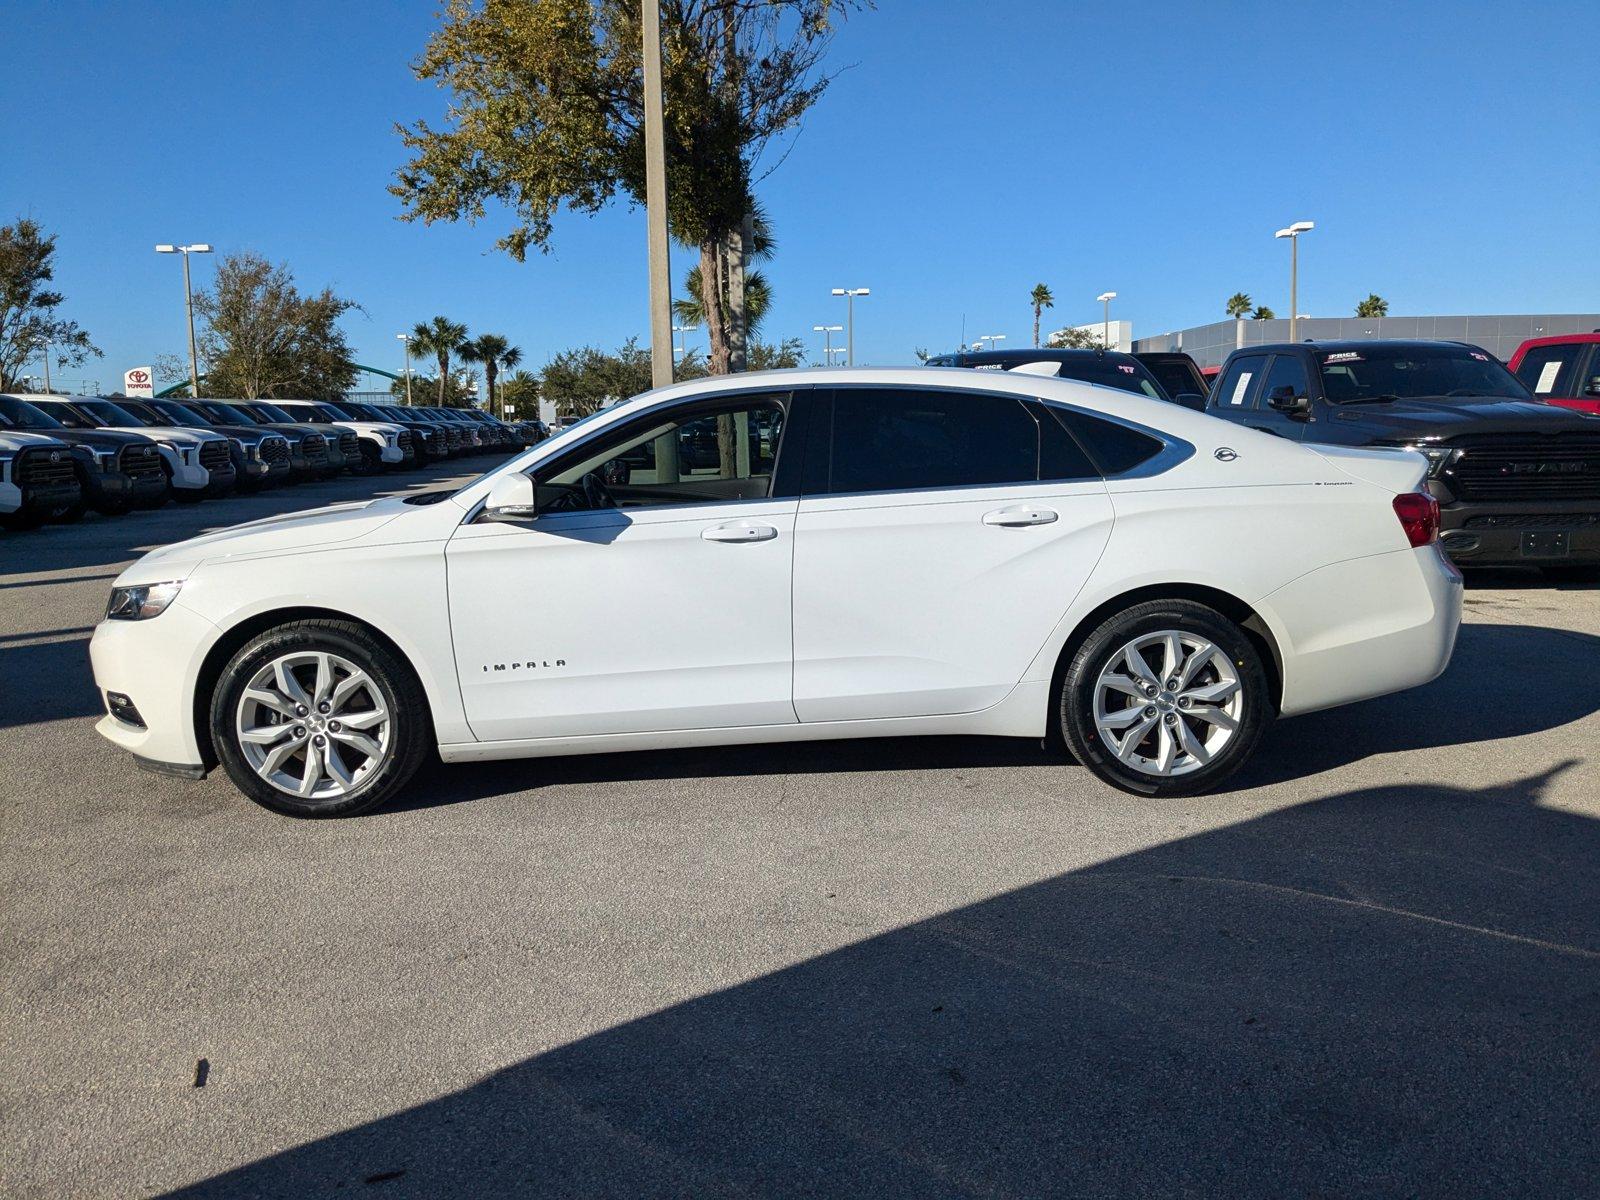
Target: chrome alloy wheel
<point x="1168" y="703"/>
<point x="313" y="725"/>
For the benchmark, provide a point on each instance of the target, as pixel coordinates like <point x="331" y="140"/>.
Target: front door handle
<point x="1020" y="514"/>
<point x="739" y="531"/>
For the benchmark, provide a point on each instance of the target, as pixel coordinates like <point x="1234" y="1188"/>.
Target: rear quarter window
<point x="1115" y="449"/>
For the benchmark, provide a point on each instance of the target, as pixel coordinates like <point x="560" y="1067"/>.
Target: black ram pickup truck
<point x="1518" y="482"/>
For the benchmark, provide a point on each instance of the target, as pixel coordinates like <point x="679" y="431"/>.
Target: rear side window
<point x="1236" y="388"/>
<point x="894" y="440"/>
<point x="1114" y="448"/>
<point x="1552" y="370"/>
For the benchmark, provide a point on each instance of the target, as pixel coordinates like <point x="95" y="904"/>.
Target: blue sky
<point x="1448" y="153"/>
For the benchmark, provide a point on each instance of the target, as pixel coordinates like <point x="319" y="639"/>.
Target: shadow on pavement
<point x="1393" y="991"/>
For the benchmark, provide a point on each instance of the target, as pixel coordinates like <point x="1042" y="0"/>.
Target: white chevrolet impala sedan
<point x="797" y="556"/>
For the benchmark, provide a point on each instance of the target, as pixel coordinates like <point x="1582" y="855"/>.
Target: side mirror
<point x="1284" y="400"/>
<point x="511" y="499"/>
<point x="1592" y="388"/>
<point x="1192" y="400"/>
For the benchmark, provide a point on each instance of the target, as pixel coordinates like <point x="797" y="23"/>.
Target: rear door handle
<point x="1020" y="514"/>
<point x="739" y="531"/>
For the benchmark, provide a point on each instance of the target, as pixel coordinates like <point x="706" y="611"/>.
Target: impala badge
<point x="1225" y="454"/>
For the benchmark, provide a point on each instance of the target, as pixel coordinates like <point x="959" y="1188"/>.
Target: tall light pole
<point x="827" y="332"/>
<point x="831" y="352"/>
<point x="850" y="319"/>
<point x="1105" y="335"/>
<point x="991" y="338"/>
<point x="1293" y="234"/>
<point x="406" y="338"/>
<point x="682" y="349"/>
<point x="188" y="303"/>
<point x="655" y="190"/>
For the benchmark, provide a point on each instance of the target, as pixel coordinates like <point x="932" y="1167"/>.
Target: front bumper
<point x="1521" y="534"/>
<point x="155" y="664"/>
<point x="37" y="498"/>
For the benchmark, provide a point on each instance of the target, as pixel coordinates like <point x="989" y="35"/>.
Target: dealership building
<point x="1210" y="344"/>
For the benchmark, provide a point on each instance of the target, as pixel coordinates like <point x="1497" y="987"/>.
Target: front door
<point x="652" y="591"/>
<point x="935" y="549"/>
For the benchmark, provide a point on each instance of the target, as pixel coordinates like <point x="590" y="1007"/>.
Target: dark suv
<point x="1518" y="482"/>
<point x="1106" y="368"/>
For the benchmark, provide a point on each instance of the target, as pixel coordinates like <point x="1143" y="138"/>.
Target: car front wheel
<point x="1165" y="699"/>
<point x="319" y="719"/>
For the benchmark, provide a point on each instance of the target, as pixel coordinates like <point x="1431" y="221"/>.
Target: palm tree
<point x="494" y="352"/>
<point x="691" y="310"/>
<point x="1373" y="306"/>
<point x="1263" y="313"/>
<point x="1042" y="299"/>
<point x="440" y="337"/>
<point x="1239" y="306"/>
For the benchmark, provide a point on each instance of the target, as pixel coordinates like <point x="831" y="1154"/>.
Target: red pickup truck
<point x="1562" y="370"/>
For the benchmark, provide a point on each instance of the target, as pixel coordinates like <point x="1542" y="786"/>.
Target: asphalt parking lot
<point x="912" y="967"/>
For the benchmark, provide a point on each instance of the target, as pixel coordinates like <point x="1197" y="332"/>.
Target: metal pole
<point x="48" y="390"/>
<point x="188" y="303"/>
<point x="1294" y="284"/>
<point x="1105" y="335"/>
<point x="655" y="173"/>
<point x="850" y="306"/>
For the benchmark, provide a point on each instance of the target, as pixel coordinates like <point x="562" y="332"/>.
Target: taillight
<point x="1419" y="517"/>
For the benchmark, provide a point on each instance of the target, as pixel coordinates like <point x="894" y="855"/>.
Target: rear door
<point x="940" y="536"/>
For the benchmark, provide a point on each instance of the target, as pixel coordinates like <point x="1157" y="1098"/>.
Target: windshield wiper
<point x="1386" y="398"/>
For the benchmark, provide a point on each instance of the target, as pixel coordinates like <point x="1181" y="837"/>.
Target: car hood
<point x="384" y="427"/>
<point x="290" y="532"/>
<point x="106" y="439"/>
<point x="250" y="434"/>
<point x="1445" y="418"/>
<point x="21" y="439"/>
<point x="177" y="435"/>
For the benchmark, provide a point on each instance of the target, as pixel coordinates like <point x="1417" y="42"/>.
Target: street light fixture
<point x="1293" y="233"/>
<point x="991" y="338"/>
<point x="406" y="338"/>
<point x="1105" y="335"/>
<point x="188" y="303"/>
<point x="850" y="338"/>
<point x="827" y="332"/>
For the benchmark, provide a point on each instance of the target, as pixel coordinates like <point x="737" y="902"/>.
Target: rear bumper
<point x="1525" y="535"/>
<point x="1365" y="628"/>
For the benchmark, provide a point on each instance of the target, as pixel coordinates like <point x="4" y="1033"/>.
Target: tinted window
<point x="1115" y="448"/>
<point x="25" y="416"/>
<point x="1176" y="378"/>
<point x="177" y="413"/>
<point x="894" y="440"/>
<point x="1287" y="370"/>
<point x="1237" y="385"/>
<point x="223" y="414"/>
<point x="1552" y="370"/>
<point x="1407" y="370"/>
<point x="67" y="415"/>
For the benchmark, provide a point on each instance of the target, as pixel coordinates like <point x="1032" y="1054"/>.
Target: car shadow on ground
<point x="1387" y="992"/>
<point x="1503" y="681"/>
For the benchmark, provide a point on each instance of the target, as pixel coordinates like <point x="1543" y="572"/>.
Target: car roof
<point x="1347" y="344"/>
<point x="1039" y="354"/>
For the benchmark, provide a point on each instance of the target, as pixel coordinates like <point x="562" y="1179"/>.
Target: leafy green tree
<point x="1041" y="298"/>
<point x="492" y="352"/>
<point x="1373" y="306"/>
<point x="519" y="394"/>
<point x="28" y="321"/>
<point x="264" y="339"/>
<point x="1076" y="339"/>
<point x="1263" y="313"/>
<point x="579" y="381"/>
<point x="439" y="339"/>
<point x="1239" y="305"/>
<point x="777" y="356"/>
<point x="547" y="112"/>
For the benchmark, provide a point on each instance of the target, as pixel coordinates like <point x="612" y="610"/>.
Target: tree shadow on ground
<point x="1394" y="991"/>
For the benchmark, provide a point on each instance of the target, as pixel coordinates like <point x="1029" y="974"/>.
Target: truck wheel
<point x="319" y="718"/>
<point x="1165" y="699"/>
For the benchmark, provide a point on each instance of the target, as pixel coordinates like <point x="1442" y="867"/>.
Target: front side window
<point x="696" y="458"/>
<point x="1551" y="370"/>
<point x="69" y="416"/>
<point x="1287" y="371"/>
<point x="901" y="440"/>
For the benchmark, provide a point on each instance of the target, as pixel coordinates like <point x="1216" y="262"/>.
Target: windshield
<point x="334" y="411"/>
<point x="109" y="413"/>
<point x="225" y="414"/>
<point x="273" y="413"/>
<point x="26" y="416"/>
<point x="1408" y="372"/>
<point x="178" y="413"/>
<point x="1177" y="377"/>
<point x="312" y="413"/>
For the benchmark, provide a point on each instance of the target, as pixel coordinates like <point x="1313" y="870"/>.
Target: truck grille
<point x="275" y="451"/>
<point x="43" y="468"/>
<point x="1526" y="466"/>
<point x="140" y="462"/>
<point x="214" y="456"/>
<point x="350" y="446"/>
<point x="315" y="447"/>
<point x="403" y="440"/>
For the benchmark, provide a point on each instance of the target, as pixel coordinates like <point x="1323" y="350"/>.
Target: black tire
<point x="1075" y="701"/>
<point x="21" y="522"/>
<point x="410" y="735"/>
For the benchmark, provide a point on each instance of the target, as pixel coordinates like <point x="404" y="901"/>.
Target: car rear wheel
<point x="319" y="719"/>
<point x="1165" y="699"/>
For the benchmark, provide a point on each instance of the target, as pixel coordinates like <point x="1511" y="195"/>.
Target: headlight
<point x="1438" y="457"/>
<point x="142" y="602"/>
